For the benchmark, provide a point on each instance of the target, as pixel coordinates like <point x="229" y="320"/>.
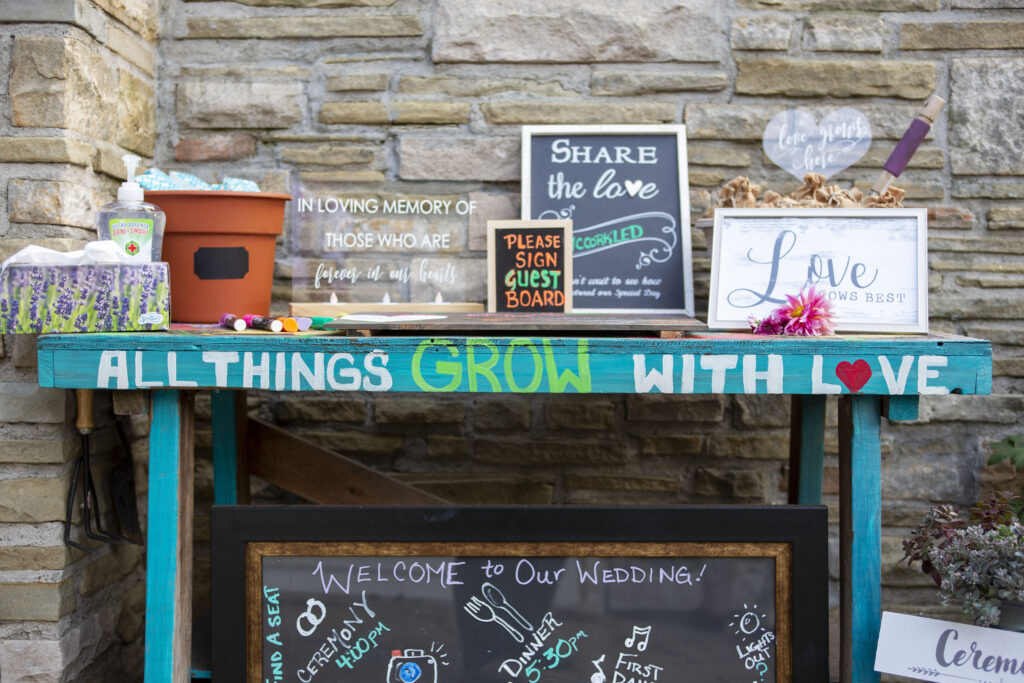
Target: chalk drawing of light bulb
<point x="748" y="622"/>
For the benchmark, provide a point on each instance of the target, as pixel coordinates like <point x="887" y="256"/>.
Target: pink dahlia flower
<point x="808" y="313"/>
<point x="771" y="324"/>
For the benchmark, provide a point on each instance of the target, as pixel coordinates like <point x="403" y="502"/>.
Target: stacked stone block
<point x="79" y="94"/>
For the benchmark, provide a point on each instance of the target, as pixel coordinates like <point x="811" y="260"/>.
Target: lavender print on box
<point x="111" y="297"/>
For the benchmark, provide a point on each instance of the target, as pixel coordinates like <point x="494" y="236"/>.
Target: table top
<point x="198" y="357"/>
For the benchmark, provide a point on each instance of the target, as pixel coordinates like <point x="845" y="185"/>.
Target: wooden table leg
<point x="169" y="539"/>
<point x="860" y="536"/>
<point x="806" y="449"/>
<point x="230" y="470"/>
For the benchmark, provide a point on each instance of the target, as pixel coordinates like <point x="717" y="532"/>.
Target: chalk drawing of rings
<point x="308" y="616"/>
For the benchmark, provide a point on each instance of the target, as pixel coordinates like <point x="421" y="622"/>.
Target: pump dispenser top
<point x="135" y="225"/>
<point x="130" y="191"/>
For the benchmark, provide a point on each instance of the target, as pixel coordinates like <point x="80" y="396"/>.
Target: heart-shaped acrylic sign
<point x="799" y="146"/>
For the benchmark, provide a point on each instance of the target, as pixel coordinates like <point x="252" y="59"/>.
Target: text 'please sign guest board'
<point x="625" y="190"/>
<point x="554" y="605"/>
<point x="529" y="266"/>
<point x="872" y="264"/>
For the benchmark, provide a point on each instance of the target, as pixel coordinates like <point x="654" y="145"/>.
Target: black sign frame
<point x="496" y="253"/>
<point x="668" y="243"/>
<point x="795" y="535"/>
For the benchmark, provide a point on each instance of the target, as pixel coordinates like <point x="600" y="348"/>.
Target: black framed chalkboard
<point x="625" y="189"/>
<point x="529" y="266"/>
<point x="538" y="594"/>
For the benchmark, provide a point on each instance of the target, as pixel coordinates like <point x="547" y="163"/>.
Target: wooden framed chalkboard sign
<point x="526" y="594"/>
<point x="529" y="266"/>
<point x="625" y="189"/>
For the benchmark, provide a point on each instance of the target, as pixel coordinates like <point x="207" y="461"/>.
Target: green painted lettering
<point x="538" y="367"/>
<point x="558" y="381"/>
<point x="443" y="367"/>
<point x="473" y="368"/>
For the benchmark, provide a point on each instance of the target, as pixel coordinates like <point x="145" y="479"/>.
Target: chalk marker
<point x="289" y="324"/>
<point x="320" y="320"/>
<point x="303" y="323"/>
<point x="260" y="323"/>
<point x="232" y="322"/>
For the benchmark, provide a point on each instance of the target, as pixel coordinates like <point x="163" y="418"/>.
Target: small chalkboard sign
<point x="531" y="595"/>
<point x="529" y="266"/>
<point x="625" y="189"/>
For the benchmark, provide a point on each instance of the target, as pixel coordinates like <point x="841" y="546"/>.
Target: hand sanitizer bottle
<point x="136" y="226"/>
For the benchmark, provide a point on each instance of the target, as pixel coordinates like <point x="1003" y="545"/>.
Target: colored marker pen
<point x="289" y="324"/>
<point x="303" y="323"/>
<point x="232" y="322"/>
<point x="260" y="323"/>
<point x="319" y="321"/>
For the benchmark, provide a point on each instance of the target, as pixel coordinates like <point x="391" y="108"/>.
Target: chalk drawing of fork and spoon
<point x="486" y="611"/>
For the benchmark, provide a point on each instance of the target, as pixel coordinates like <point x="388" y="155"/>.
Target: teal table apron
<point x="873" y="376"/>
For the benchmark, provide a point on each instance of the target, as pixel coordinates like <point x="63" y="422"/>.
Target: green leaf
<point x="1011" y="448"/>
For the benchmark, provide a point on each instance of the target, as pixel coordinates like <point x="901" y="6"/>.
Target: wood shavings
<point x="814" y="194"/>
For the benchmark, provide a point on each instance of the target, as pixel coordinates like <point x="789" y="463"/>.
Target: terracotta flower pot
<point x="220" y="248"/>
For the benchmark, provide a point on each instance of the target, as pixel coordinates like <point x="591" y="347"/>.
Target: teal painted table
<point x="873" y="376"/>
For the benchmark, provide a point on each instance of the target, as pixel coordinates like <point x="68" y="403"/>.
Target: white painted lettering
<point x="250" y="371"/>
<point x="718" y="365"/>
<point x="772" y="375"/>
<point x="110" y="370"/>
<point x="220" y="360"/>
<point x="925" y="373"/>
<point x="818" y="386"/>
<point x="896" y="382"/>
<point x="644" y="381"/>
<point x="141" y="383"/>
<point x="172" y="373"/>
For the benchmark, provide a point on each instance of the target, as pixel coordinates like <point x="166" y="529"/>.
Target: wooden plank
<point x="130" y="402"/>
<point x="230" y="468"/>
<point x="900" y="408"/>
<point x="512" y="364"/>
<point x="322" y="476"/>
<point x="491" y="322"/>
<point x="806" y="449"/>
<point x="333" y="310"/>
<point x="860" y="536"/>
<point x="169" y="543"/>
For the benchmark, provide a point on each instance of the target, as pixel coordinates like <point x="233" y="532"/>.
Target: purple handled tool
<point x="908" y="144"/>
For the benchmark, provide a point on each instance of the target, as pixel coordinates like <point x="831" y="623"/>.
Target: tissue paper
<point x="89" y="290"/>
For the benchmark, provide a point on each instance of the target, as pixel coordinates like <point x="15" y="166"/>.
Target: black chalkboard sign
<point x="414" y="595"/>
<point x="625" y="189"/>
<point x="529" y="266"/>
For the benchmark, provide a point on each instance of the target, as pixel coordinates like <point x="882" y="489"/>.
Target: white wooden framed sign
<point x="625" y="189"/>
<point x="947" y="652"/>
<point x="871" y="263"/>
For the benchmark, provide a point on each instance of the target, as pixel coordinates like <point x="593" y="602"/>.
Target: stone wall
<point x="79" y="94"/>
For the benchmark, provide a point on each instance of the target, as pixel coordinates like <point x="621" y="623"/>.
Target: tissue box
<point x="100" y="297"/>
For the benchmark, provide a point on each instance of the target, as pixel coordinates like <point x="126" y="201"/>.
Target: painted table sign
<point x="799" y="145"/>
<point x="625" y="189"/>
<point x="948" y="652"/>
<point x="872" y="263"/>
<point x="509" y="595"/>
<point x="501" y="364"/>
<point x="529" y="266"/>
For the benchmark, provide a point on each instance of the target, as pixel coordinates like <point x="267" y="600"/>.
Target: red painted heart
<point x="854" y="375"/>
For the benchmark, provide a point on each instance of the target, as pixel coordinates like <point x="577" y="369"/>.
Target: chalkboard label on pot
<point x="625" y="189"/>
<point x="510" y="595"/>
<point x="529" y="266"/>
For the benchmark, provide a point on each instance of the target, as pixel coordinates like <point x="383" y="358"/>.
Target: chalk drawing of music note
<point x="598" y="677"/>
<point x="644" y="631"/>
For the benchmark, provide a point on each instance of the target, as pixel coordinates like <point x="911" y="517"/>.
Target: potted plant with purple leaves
<point x="976" y="557"/>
